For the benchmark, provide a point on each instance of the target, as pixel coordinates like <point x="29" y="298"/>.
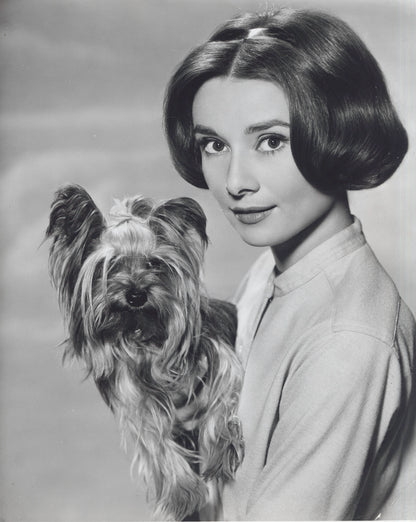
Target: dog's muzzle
<point x="136" y="298"/>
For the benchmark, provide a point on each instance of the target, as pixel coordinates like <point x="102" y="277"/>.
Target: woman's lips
<point x="252" y="215"/>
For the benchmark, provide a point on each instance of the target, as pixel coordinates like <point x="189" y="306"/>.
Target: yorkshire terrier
<point x="159" y="350"/>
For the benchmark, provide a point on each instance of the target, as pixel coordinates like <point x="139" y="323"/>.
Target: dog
<point x="159" y="350"/>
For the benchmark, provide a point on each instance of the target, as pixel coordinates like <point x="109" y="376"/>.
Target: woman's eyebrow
<point x="264" y="125"/>
<point x="201" y="129"/>
<point x="256" y="127"/>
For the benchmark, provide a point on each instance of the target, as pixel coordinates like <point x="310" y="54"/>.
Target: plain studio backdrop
<point x="81" y="90"/>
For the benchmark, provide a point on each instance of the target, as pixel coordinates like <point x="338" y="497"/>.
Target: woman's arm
<point x="336" y="415"/>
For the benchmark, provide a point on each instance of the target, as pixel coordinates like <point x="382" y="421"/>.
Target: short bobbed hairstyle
<point x="344" y="131"/>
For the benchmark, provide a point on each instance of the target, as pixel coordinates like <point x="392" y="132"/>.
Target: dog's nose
<point x="136" y="298"/>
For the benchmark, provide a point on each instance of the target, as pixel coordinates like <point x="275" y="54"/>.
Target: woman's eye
<point x="271" y="143"/>
<point x="213" y="146"/>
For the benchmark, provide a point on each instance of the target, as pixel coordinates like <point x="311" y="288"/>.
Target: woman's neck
<point x="334" y="220"/>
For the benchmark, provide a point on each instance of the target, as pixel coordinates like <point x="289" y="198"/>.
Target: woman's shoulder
<point x="366" y="300"/>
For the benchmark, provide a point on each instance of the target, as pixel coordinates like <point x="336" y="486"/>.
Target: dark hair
<point x="345" y="133"/>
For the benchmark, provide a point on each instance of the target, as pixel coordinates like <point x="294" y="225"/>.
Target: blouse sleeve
<point x="334" y="414"/>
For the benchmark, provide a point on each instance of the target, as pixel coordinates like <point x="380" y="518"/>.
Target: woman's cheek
<point x="214" y="180"/>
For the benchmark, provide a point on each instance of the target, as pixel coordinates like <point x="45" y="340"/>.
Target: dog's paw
<point x="235" y="452"/>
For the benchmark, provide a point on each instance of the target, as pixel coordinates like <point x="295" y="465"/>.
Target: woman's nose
<point x="240" y="176"/>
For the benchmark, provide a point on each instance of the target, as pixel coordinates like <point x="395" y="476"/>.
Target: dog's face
<point x="129" y="285"/>
<point x="126" y="290"/>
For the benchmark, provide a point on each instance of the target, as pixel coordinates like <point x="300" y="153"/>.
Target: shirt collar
<point x="339" y="245"/>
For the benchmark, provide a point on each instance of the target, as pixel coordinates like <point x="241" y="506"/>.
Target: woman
<point x="279" y="115"/>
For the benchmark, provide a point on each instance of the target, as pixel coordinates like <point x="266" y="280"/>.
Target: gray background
<point x="81" y="89"/>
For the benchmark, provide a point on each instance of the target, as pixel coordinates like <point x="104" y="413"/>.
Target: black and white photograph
<point x="207" y="267"/>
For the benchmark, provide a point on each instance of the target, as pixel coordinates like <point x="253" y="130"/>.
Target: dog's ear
<point x="75" y="224"/>
<point x="185" y="214"/>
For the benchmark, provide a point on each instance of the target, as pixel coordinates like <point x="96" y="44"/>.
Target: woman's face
<point x="242" y="128"/>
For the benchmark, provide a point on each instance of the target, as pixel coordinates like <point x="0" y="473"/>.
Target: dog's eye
<point x="152" y="263"/>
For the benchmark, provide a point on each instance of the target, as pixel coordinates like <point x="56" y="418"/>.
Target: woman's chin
<point x="255" y="238"/>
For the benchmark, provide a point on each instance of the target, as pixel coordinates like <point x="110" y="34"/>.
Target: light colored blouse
<point x="329" y="397"/>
